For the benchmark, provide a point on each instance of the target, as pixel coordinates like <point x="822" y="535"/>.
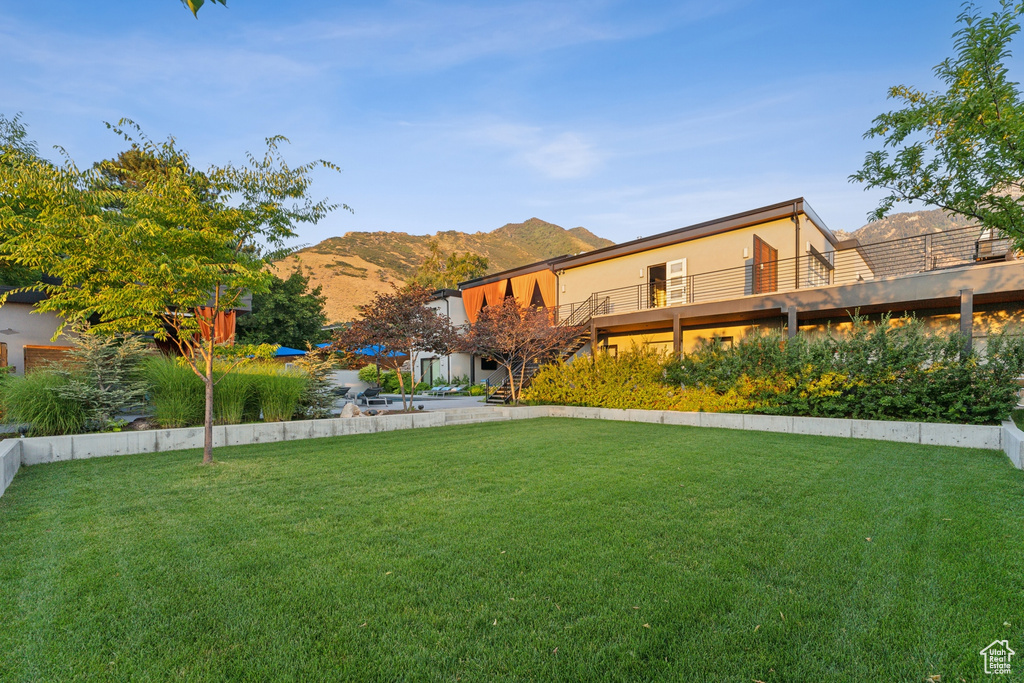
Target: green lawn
<point x="543" y="550"/>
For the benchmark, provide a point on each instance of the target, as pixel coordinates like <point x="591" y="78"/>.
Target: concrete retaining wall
<point x="39" y="450"/>
<point x="10" y="462"/>
<point x="1013" y="444"/>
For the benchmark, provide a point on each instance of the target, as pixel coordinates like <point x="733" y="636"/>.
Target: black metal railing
<point x="891" y="258"/>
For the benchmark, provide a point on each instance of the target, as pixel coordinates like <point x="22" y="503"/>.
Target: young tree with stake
<point x="166" y="249"/>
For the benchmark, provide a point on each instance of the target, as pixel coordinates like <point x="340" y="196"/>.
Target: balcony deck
<point x="877" y="275"/>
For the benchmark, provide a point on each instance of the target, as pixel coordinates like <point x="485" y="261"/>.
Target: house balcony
<point x="926" y="271"/>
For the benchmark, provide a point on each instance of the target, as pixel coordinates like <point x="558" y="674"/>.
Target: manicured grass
<point x="540" y="550"/>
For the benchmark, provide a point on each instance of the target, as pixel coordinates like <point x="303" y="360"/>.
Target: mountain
<point x="351" y="268"/>
<point x="907" y="224"/>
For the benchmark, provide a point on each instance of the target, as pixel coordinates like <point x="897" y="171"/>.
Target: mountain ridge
<point x="352" y="267"/>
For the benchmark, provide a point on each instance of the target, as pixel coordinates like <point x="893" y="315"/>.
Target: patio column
<point x="967" y="318"/>
<point x="791" y="325"/>
<point x="677" y="335"/>
<point x="593" y="338"/>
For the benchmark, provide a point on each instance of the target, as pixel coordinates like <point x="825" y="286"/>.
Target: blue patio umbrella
<point x="378" y="351"/>
<point x="285" y="351"/>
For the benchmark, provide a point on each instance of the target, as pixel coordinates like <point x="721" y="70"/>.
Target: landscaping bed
<point x="543" y="549"/>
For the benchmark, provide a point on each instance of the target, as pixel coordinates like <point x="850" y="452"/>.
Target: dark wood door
<point x="766" y="267"/>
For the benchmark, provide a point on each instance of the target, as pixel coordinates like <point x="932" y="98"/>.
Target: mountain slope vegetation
<point x="352" y="267"/>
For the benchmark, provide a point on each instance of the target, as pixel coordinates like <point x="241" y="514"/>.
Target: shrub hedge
<point x="38" y="399"/>
<point x="892" y="370"/>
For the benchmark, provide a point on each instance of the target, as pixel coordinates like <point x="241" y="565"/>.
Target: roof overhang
<point x="765" y="214"/>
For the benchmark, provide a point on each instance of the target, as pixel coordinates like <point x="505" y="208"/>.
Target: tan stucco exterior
<point x="727" y="250"/>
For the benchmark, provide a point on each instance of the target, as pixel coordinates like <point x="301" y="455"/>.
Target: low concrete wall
<point x="39" y="450"/>
<point x="10" y="462"/>
<point x="1013" y="444"/>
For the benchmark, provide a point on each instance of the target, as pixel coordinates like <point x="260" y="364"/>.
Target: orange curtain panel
<point x="522" y="288"/>
<point x="495" y="292"/>
<point x="548" y="283"/>
<point x="223" y="325"/>
<point x="473" y="300"/>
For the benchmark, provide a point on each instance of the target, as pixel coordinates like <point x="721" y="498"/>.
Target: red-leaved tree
<point x="514" y="335"/>
<point x="398" y="322"/>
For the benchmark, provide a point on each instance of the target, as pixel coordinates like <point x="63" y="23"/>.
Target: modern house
<point x="27" y="340"/>
<point x="776" y="267"/>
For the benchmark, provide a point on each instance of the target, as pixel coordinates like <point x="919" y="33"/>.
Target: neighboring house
<point x="778" y="267"/>
<point x="428" y="367"/>
<point x="26" y="338"/>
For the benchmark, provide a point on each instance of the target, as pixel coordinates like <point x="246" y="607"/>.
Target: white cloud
<point x="566" y="156"/>
<point x="558" y="156"/>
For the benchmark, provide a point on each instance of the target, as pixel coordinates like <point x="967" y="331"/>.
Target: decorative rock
<point x="141" y="423"/>
<point x="350" y="410"/>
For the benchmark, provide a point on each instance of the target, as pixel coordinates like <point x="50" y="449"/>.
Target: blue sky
<point x="627" y="118"/>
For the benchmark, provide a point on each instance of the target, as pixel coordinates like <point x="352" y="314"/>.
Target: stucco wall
<point x="704" y="255"/>
<point x="20" y="327"/>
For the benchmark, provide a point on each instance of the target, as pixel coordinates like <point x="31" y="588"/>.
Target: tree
<point x="103" y="375"/>
<point x="398" y="322"/>
<point x="961" y="150"/>
<point x="318" y="397"/>
<point x="514" y="335"/>
<point x="16" y="150"/>
<point x="167" y="258"/>
<point x="194" y="5"/>
<point x="446" y="271"/>
<point x="289" y="313"/>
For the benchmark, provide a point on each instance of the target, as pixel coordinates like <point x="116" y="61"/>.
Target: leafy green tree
<point x="446" y="271"/>
<point x="289" y="313"/>
<point x="961" y="150"/>
<point x="16" y="150"/>
<point x="168" y="259"/>
<point x="194" y="5"/>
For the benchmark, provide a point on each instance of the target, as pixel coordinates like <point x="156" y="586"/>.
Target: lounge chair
<point x="451" y="391"/>
<point x="436" y="391"/>
<point x="371" y="397"/>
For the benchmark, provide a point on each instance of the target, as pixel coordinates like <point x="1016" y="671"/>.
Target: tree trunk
<point x="401" y="384"/>
<point x="208" y="417"/>
<point x="522" y="378"/>
<point x="412" y="380"/>
<point x="511" y="383"/>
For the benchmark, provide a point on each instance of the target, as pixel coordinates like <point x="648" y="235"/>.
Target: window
<point x="724" y="343"/>
<point x="488" y="364"/>
<point x="611" y="349"/>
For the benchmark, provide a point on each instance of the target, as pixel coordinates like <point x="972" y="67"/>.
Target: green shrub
<point x="231" y="394"/>
<point x="277" y="390"/>
<point x="633" y="379"/>
<point x="317" y="398"/>
<point x="104" y="373"/>
<point x="893" y="370"/>
<point x="389" y="382"/>
<point x="37" y="399"/>
<point x="477" y="390"/>
<point x="176" y="393"/>
<point x="369" y="374"/>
